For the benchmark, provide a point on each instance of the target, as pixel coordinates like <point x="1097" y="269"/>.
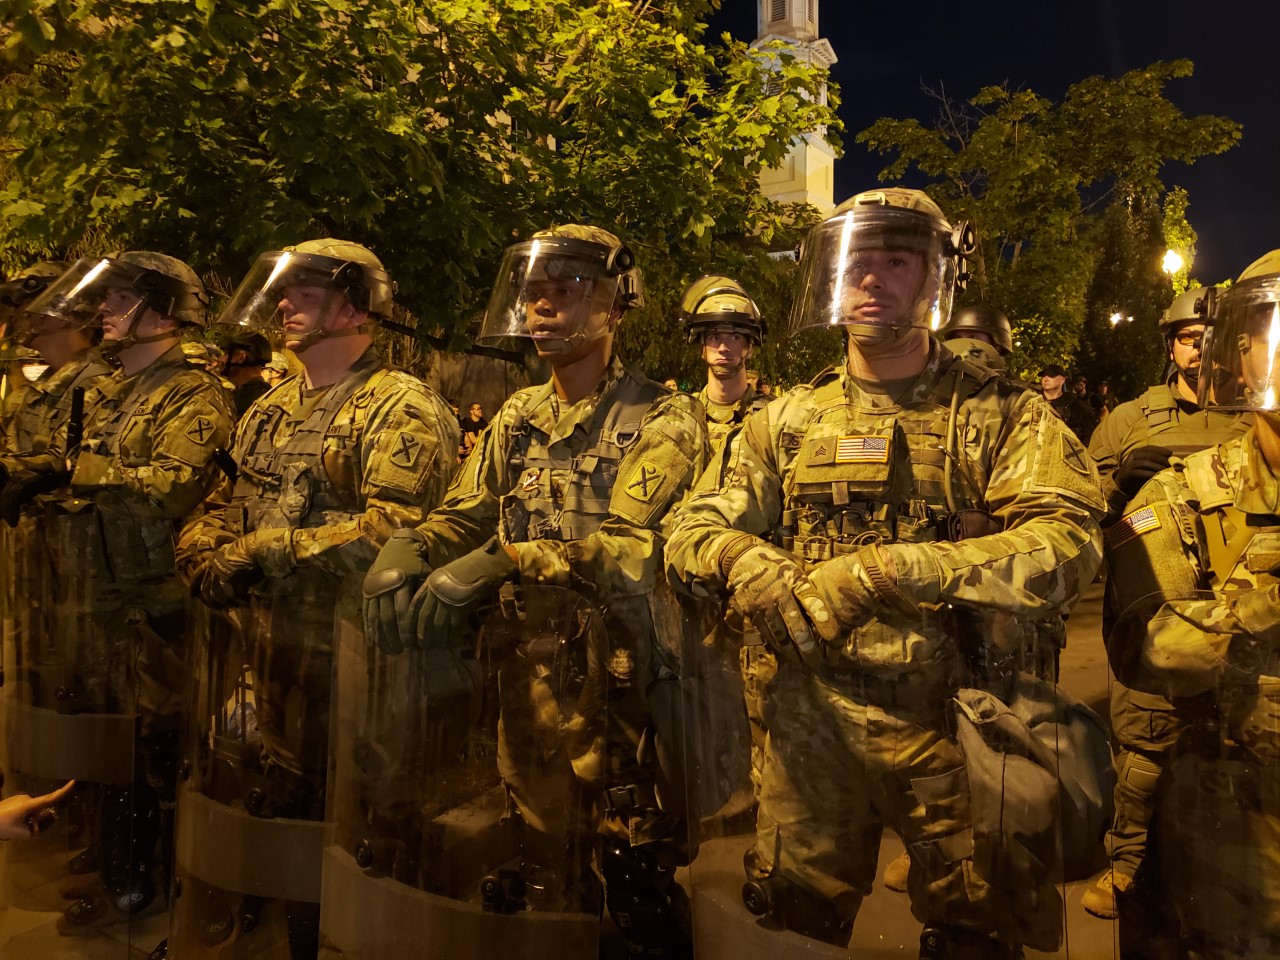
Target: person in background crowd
<point x="1073" y="411"/>
<point x="472" y="425"/>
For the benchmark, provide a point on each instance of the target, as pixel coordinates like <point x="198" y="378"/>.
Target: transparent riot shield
<point x="92" y="693"/>
<point x="251" y="796"/>
<point x="923" y="746"/>
<point x="1203" y="780"/>
<point x="498" y="799"/>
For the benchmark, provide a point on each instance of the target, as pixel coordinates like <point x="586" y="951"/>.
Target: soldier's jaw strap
<point x="112" y="347"/>
<point x="309" y="340"/>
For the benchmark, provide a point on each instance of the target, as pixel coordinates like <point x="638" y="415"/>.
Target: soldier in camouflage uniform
<point x="855" y="514"/>
<point x="981" y="334"/>
<point x="144" y="462"/>
<point x="568" y="488"/>
<point x="1199" y="624"/>
<point x="1131" y="445"/>
<point x="32" y="413"/>
<point x="725" y="324"/>
<point x="327" y="464"/>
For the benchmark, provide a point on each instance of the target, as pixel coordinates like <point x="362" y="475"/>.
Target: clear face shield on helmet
<point x="558" y="292"/>
<point x="880" y="271"/>
<point x="96" y="292"/>
<point x="1240" y="361"/>
<point x="293" y="297"/>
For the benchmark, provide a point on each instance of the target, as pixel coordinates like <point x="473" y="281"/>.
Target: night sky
<point x="887" y="51"/>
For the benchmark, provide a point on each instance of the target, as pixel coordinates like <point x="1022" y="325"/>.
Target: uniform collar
<point x="549" y="414"/>
<point x="936" y="367"/>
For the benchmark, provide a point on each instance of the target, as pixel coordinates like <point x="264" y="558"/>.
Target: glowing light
<point x="1172" y="262"/>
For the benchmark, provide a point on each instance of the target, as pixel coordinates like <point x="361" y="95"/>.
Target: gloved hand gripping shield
<point x="560" y="291"/>
<point x="466" y="776"/>
<point x="914" y="257"/>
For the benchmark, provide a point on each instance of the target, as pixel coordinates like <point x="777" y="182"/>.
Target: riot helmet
<point x="256" y="349"/>
<point x="718" y="304"/>
<point x="1241" y="352"/>
<point x="297" y="290"/>
<point x="562" y="287"/>
<point x="117" y="290"/>
<point x="886" y="261"/>
<point x="22" y="289"/>
<point x="1192" y="306"/>
<point x="980" y="318"/>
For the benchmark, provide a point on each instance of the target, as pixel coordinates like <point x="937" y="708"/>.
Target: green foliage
<point x="436" y="132"/>
<point x="1031" y="174"/>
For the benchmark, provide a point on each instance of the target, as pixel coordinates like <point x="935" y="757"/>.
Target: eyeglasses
<point x="1189" y="339"/>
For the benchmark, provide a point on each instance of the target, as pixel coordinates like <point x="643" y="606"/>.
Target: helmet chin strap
<point x="112" y="348"/>
<point x="309" y="340"/>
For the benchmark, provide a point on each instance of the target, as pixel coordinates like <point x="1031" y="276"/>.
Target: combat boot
<point x="1100" y="899"/>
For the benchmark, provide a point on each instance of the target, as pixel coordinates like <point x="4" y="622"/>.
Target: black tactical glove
<point x="1139" y="467"/>
<point x="389" y="588"/>
<point x="447" y="597"/>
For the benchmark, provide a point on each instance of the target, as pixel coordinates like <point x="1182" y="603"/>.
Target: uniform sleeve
<point x="743" y="498"/>
<point x="1105" y="447"/>
<point x="468" y="516"/>
<point x="407" y="459"/>
<point x="1043" y="488"/>
<point x="1173" y="635"/>
<point x="193" y="418"/>
<point x="623" y="558"/>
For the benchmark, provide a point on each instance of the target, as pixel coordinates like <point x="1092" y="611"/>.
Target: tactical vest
<point x="1243" y="553"/>
<point x="564" y="489"/>
<point x="313" y="476"/>
<point x="718" y="430"/>
<point x="1168" y="426"/>
<point x="132" y="546"/>
<point x="47" y="405"/>
<point x="861" y="476"/>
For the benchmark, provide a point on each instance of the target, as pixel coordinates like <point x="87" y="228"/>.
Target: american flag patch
<point x="1134" y="525"/>
<point x="862" y="450"/>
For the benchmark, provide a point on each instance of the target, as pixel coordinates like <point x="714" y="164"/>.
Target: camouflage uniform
<point x="34" y="413"/>
<point x="1200" y="546"/>
<point x="1145" y="724"/>
<point x="722" y="418"/>
<point x="580" y="494"/>
<point x="145" y="463"/>
<point x="859" y="738"/>
<point x="323" y="478"/>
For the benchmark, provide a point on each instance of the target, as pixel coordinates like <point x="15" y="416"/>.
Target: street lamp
<point x="1118" y="318"/>
<point x="1172" y="262"/>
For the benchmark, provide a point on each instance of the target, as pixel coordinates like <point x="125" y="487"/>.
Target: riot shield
<point x="503" y="798"/>
<point x="1204" y="778"/>
<point x="924" y="743"/>
<point x="251" y="796"/>
<point x="92" y="693"/>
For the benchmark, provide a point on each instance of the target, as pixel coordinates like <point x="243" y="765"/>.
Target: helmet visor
<point x="1240" y="362"/>
<point x="304" y="282"/>
<point x="876" y="268"/>
<point x="93" y="287"/>
<point x="555" y="291"/>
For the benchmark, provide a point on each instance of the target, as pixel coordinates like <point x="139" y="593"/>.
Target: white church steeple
<point x="806" y="173"/>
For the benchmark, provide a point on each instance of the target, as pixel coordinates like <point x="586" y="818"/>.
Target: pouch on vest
<point x="852" y="467"/>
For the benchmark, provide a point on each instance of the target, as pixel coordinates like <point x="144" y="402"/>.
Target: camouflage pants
<point x="1220" y="851"/>
<point x="838" y="769"/>
<point x="568" y="743"/>
<point x="1146" y="727"/>
<point x="759" y="664"/>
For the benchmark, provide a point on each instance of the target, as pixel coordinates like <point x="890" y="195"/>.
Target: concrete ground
<point x="885" y="927"/>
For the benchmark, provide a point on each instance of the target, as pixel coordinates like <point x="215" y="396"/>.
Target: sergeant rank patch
<point x="646" y="481"/>
<point x="405" y="449"/>
<point x="1133" y="526"/>
<point x="201" y="430"/>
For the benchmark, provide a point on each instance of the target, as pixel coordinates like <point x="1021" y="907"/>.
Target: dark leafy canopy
<point x="435" y="132"/>
<point x="1033" y="176"/>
